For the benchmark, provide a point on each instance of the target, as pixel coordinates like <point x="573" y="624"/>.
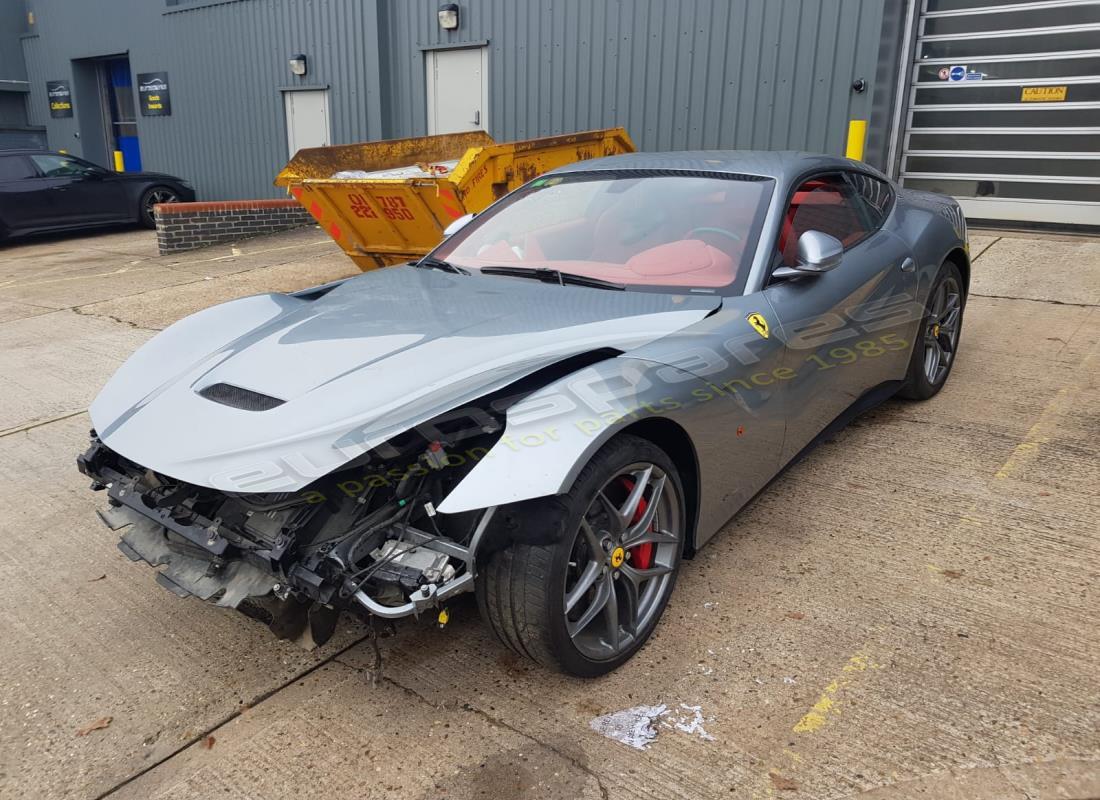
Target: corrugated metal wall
<point x="226" y="65"/>
<point x="677" y="73"/>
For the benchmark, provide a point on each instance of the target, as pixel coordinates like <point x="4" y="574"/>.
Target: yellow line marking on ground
<point x="791" y="763"/>
<point x="827" y="705"/>
<point x="243" y="252"/>
<point x="1037" y="435"/>
<point x="15" y="281"/>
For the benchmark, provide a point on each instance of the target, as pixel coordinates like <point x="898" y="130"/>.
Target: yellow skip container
<point x="388" y="202"/>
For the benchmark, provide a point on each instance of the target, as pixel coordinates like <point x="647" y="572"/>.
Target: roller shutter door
<point x="1004" y="108"/>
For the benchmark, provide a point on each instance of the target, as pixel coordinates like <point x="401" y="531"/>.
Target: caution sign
<point x="1043" y="94"/>
<point x="60" y="96"/>
<point x="153" y="94"/>
<point x="759" y="324"/>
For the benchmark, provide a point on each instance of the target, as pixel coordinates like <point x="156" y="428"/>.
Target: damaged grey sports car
<point x="572" y="393"/>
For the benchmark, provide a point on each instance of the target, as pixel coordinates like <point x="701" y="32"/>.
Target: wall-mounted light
<point x="448" y="16"/>
<point x="298" y="64"/>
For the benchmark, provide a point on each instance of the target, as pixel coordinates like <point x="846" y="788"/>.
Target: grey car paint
<point x="742" y="438"/>
<point x="390" y="349"/>
<point x="375" y="356"/>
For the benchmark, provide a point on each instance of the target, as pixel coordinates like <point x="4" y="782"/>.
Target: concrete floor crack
<point x="1034" y="300"/>
<point x="472" y="709"/>
<point x="79" y="310"/>
<point x="985" y="249"/>
<point x="255" y="701"/>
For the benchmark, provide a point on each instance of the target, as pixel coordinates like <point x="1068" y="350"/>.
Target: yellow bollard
<point x="857" y="135"/>
<point x="119" y="166"/>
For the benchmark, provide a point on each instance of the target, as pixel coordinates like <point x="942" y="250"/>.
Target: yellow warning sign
<point x="1043" y="94"/>
<point x="759" y="324"/>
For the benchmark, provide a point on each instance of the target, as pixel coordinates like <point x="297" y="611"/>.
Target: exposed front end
<point x="367" y="538"/>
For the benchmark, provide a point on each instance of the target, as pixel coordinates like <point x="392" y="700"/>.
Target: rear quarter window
<point x="15" y="168"/>
<point x="876" y="195"/>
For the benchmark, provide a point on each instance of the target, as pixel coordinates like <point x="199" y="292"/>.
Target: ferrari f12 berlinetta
<point x="574" y="391"/>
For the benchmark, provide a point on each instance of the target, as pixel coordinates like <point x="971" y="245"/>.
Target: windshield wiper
<point x="436" y="263"/>
<point x="547" y="275"/>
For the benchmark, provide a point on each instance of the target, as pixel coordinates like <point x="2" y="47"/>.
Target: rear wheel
<point x="937" y="337"/>
<point x="586" y="603"/>
<point x="152" y="196"/>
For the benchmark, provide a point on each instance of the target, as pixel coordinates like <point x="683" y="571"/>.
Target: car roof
<point x="784" y="165"/>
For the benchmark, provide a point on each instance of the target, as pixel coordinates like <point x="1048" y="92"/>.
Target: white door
<point x="306" y="119"/>
<point x="458" y="90"/>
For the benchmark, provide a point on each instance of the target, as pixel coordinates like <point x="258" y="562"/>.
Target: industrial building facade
<point x="995" y="102"/>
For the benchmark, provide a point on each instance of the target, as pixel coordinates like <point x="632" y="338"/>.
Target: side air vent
<point x="236" y="397"/>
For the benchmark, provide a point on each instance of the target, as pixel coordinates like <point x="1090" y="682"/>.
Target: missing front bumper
<point x="188" y="571"/>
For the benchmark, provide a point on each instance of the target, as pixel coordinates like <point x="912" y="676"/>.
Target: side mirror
<point x="457" y="225"/>
<point x="817" y="252"/>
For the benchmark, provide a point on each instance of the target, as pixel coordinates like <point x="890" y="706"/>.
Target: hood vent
<point x="236" y="397"/>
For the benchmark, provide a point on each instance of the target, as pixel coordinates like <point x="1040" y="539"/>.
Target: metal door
<point x="307" y="123"/>
<point x="79" y="191"/>
<point x="1004" y="108"/>
<point x="458" y="90"/>
<point x="24" y="196"/>
<point x="849" y="330"/>
<point x="120" y="114"/>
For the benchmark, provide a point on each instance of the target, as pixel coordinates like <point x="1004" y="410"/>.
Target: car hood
<point x="348" y="370"/>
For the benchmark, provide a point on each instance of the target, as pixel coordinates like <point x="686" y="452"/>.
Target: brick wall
<point x="186" y="226"/>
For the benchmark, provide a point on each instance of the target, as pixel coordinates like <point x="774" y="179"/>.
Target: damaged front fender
<point x="551" y="434"/>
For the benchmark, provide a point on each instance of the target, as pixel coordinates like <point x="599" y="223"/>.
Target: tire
<point x="149" y="198"/>
<point x="532" y="596"/>
<point x="937" y="339"/>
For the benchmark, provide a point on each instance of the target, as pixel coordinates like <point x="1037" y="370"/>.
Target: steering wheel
<point x="721" y="231"/>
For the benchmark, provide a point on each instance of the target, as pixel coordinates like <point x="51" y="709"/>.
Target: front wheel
<point x="937" y="337"/>
<point x="150" y="198"/>
<point x="587" y="602"/>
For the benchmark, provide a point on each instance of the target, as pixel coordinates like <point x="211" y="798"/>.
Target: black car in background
<point x="48" y="191"/>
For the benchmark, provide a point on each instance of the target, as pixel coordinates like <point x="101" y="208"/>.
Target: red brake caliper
<point x="642" y="555"/>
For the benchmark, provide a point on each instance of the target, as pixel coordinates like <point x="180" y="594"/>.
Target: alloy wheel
<point x="159" y="196"/>
<point x="622" y="562"/>
<point x="941" y="333"/>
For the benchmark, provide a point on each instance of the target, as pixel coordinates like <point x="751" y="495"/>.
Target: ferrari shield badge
<point x="759" y="324"/>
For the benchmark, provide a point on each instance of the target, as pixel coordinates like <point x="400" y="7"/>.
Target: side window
<point x="15" y="168"/>
<point x="826" y="203"/>
<point x="52" y="166"/>
<point x="875" y="194"/>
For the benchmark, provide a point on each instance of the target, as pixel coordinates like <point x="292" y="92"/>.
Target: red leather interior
<point x="688" y="262"/>
<point x="692" y="241"/>
<point x="818" y="205"/>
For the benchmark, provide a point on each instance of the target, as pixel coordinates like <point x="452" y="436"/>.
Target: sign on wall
<point x="153" y="93"/>
<point x="60" y="96"/>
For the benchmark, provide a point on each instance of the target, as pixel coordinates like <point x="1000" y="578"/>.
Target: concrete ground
<point x="910" y="612"/>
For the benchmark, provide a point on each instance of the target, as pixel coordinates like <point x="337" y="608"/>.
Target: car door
<point x="846" y="330"/>
<point x="81" y="192"/>
<point x="24" y="195"/>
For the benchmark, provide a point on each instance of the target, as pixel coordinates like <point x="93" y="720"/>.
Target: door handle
<point x="908" y="265"/>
